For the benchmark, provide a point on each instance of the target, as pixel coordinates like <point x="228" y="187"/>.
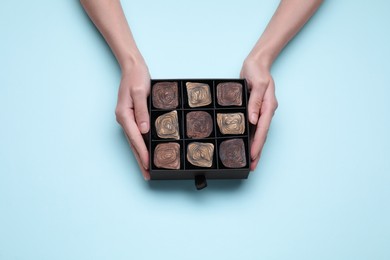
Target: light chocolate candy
<point x="200" y="154"/>
<point x="231" y="123"/>
<point x="199" y="94"/>
<point x="167" y="125"/>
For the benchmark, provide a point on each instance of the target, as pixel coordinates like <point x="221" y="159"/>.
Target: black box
<point x="187" y="170"/>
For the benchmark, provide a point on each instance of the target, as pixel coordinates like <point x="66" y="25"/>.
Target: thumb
<point x="141" y="112"/>
<point x="255" y="102"/>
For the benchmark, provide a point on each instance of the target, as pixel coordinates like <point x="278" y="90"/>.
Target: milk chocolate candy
<point x="165" y="95"/>
<point x="199" y="94"/>
<point x="167" y="125"/>
<point x="167" y="156"/>
<point x="231" y="123"/>
<point x="229" y="94"/>
<point x="200" y="154"/>
<point x="199" y="124"/>
<point x="232" y="153"/>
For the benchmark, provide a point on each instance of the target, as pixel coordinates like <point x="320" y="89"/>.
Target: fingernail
<point x="253" y="158"/>
<point x="147" y="177"/>
<point x="146" y="167"/>
<point x="253" y="118"/>
<point x="143" y="127"/>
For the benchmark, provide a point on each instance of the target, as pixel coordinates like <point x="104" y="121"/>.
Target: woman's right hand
<point x="262" y="103"/>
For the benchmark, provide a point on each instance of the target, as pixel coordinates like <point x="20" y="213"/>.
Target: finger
<point x="255" y="102"/>
<point x="267" y="111"/>
<point x="261" y="133"/>
<point x="126" y="119"/>
<point x="145" y="173"/>
<point x="141" y="110"/>
<point x="254" y="163"/>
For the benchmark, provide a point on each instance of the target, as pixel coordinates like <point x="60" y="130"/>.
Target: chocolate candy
<point x="167" y="125"/>
<point x="167" y="155"/>
<point x="199" y="94"/>
<point x="232" y="153"/>
<point x="231" y="123"/>
<point x="200" y="154"/>
<point x="199" y="124"/>
<point x="165" y="95"/>
<point x="229" y="94"/>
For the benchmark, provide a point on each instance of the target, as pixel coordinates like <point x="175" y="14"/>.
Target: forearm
<point x="108" y="17"/>
<point x="288" y="19"/>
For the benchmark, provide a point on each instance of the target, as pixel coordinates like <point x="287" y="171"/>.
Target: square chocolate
<point x="199" y="124"/>
<point x="200" y="154"/>
<point x="167" y="125"/>
<point x="232" y="153"/>
<point x="198" y="94"/>
<point x="231" y="123"/>
<point x="229" y="94"/>
<point x="165" y="95"/>
<point x="167" y="156"/>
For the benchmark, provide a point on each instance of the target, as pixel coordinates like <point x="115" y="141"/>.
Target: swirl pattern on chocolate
<point x="199" y="94"/>
<point x="200" y="154"/>
<point x="167" y="155"/>
<point x="229" y="94"/>
<point x="167" y="125"/>
<point x="232" y="153"/>
<point x="231" y="123"/>
<point x="165" y="95"/>
<point x="199" y="124"/>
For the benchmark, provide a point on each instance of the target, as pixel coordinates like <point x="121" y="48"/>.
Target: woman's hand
<point x="132" y="111"/>
<point x="262" y="103"/>
<point x="285" y="23"/>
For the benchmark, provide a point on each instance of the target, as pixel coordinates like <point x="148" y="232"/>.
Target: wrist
<point x="129" y="61"/>
<point x="261" y="56"/>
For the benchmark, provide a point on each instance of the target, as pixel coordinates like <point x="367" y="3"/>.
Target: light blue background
<point x="70" y="187"/>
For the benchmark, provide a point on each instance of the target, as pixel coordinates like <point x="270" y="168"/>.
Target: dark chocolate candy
<point x="165" y="95"/>
<point x="229" y="94"/>
<point x="200" y="154"/>
<point x="199" y="124"/>
<point x="232" y="153"/>
<point x="167" y="155"/>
